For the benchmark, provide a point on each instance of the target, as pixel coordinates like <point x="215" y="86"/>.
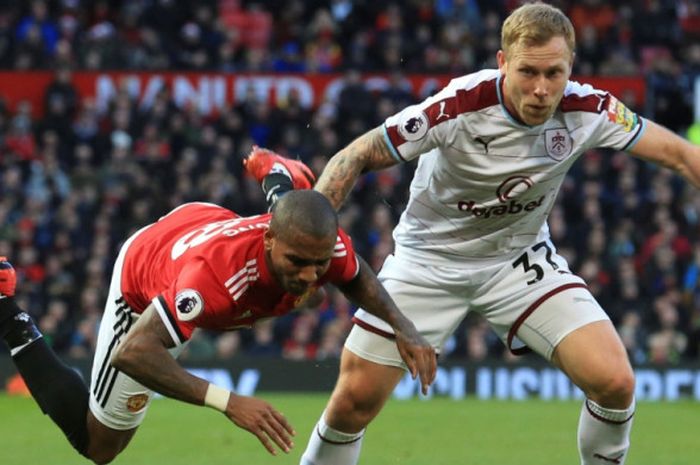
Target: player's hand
<point x="418" y="355"/>
<point x="261" y="419"/>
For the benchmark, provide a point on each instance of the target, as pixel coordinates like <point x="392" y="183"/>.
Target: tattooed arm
<point x="368" y="152"/>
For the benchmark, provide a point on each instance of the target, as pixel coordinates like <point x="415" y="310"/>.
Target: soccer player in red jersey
<point x="200" y="266"/>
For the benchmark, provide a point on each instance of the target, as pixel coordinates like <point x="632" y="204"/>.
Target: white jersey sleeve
<point x="419" y="128"/>
<point x="611" y="124"/>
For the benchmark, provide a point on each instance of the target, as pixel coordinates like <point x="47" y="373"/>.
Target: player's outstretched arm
<point x="367" y="292"/>
<point x="144" y="356"/>
<point x="368" y="152"/>
<point x="661" y="146"/>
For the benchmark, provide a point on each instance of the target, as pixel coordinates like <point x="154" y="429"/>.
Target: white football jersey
<point x="486" y="182"/>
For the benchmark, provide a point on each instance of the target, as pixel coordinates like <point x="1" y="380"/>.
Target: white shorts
<point x="532" y="302"/>
<point x="116" y="400"/>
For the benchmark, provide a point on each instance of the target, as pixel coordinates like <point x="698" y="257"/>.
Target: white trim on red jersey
<point x="339" y="249"/>
<point x="167" y="319"/>
<point x="240" y="281"/>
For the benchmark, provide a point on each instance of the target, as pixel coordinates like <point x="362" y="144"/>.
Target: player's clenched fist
<point x="261" y="419"/>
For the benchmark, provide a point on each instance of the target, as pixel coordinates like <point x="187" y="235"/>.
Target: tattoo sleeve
<point x="368" y="152"/>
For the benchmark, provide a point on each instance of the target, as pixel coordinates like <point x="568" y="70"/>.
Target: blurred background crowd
<point x="76" y="180"/>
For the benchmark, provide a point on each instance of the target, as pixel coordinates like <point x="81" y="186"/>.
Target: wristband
<point x="216" y="397"/>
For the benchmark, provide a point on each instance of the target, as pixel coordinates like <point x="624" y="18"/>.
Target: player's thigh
<point x="432" y="298"/>
<point x="595" y="359"/>
<point x="116" y="400"/>
<point x="536" y="301"/>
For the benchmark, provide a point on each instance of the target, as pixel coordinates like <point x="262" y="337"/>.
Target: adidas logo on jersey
<point x="511" y="208"/>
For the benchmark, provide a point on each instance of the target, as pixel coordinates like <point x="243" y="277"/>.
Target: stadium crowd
<point x="75" y="181"/>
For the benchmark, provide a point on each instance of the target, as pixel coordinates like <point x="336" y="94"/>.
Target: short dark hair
<point x="304" y="211"/>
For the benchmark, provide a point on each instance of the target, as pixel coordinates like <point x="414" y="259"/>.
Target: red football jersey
<point x="204" y="266"/>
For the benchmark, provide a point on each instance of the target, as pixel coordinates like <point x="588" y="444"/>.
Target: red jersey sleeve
<point x="193" y="295"/>
<point x="344" y="265"/>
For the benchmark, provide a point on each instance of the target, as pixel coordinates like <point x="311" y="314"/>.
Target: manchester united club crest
<point x="558" y="143"/>
<point x="136" y="402"/>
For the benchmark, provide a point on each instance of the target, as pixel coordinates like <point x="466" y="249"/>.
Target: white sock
<point x="328" y="446"/>
<point x="604" y="434"/>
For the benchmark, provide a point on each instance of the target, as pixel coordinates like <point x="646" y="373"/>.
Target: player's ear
<point x="501" y="60"/>
<point x="268" y="239"/>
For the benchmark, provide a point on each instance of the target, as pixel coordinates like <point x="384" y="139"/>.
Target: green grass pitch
<point x="435" y="432"/>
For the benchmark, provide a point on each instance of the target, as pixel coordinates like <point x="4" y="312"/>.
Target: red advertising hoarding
<point x="213" y="91"/>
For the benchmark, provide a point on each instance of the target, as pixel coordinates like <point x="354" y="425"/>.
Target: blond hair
<point x="535" y="24"/>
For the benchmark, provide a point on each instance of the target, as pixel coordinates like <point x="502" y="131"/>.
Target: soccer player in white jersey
<point x="494" y="148"/>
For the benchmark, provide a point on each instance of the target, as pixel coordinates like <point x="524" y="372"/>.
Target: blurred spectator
<point x="228" y="345"/>
<point x="300" y="344"/>
<point x="20" y="140"/>
<point x="332" y="339"/>
<point x="592" y="17"/>
<point x="264" y="343"/>
<point x="61" y="92"/>
<point x="633" y="337"/>
<point x="667" y="344"/>
<point x="38" y="29"/>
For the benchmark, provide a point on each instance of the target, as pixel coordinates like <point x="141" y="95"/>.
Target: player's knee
<point x="103" y="454"/>
<point x="354" y="405"/>
<point x="352" y="410"/>
<point x="616" y="390"/>
<point x="622" y="385"/>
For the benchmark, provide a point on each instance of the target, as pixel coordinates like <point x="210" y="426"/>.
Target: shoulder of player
<point x="465" y="94"/>
<point x="584" y="98"/>
<point x="474" y="91"/>
<point x="472" y="80"/>
<point x="196" y="208"/>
